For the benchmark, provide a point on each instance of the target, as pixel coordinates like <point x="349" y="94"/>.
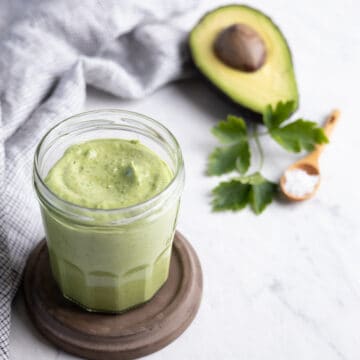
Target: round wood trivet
<point x="129" y="335"/>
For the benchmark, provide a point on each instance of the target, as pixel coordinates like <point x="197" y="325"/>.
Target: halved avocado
<point x="245" y="55"/>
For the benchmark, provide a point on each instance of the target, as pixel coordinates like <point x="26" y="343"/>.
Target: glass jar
<point x="109" y="260"/>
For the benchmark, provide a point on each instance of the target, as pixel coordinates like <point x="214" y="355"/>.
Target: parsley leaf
<point x="223" y="159"/>
<point x="262" y="192"/>
<point x="273" y="118"/>
<point x="230" y="195"/>
<point x="299" y="135"/>
<point x="235" y="154"/>
<point x="235" y="194"/>
<point x="230" y="131"/>
<point x="296" y="136"/>
<point x="242" y="163"/>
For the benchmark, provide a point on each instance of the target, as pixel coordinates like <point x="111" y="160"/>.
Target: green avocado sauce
<point x="110" y="268"/>
<point x="108" y="174"/>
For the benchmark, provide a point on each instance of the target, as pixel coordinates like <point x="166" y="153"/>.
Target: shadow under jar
<point x="109" y="260"/>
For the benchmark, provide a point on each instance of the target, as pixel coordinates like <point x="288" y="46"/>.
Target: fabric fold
<point x="49" y="53"/>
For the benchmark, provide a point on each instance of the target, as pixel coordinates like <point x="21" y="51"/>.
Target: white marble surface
<point x="284" y="285"/>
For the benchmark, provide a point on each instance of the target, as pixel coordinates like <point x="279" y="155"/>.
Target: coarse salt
<point x="299" y="183"/>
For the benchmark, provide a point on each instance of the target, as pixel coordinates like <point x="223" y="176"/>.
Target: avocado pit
<point x="240" y="47"/>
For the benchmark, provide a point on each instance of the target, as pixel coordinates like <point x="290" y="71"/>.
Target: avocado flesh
<point x="273" y="82"/>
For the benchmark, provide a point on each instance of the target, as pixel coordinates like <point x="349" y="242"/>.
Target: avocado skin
<point x="245" y="112"/>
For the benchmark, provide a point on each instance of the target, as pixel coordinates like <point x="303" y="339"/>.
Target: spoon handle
<point x="330" y="123"/>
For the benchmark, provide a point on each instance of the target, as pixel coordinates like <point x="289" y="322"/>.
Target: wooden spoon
<point x="310" y="163"/>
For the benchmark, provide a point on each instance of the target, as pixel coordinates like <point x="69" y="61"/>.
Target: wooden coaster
<point x="130" y="335"/>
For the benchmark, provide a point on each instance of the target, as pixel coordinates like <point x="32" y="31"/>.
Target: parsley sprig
<point x="234" y="155"/>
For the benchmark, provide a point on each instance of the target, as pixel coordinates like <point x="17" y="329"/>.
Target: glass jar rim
<point x="165" y="193"/>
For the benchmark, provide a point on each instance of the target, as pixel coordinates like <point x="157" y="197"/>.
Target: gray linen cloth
<point x="49" y="51"/>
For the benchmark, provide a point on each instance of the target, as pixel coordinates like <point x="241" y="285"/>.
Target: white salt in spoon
<point x="301" y="180"/>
